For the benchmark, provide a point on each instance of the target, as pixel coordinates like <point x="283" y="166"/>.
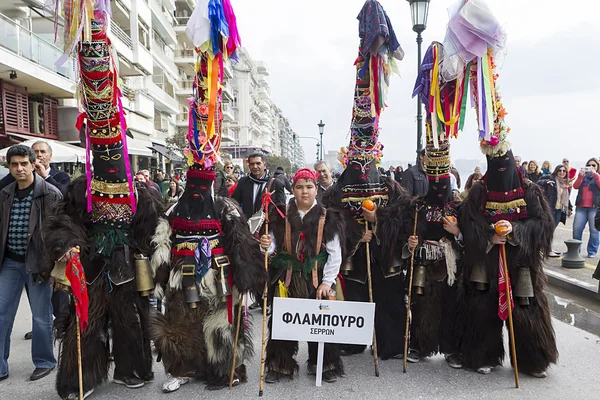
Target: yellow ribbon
<point x="213" y="80"/>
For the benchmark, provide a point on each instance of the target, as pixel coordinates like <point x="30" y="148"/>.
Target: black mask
<point x="359" y="182"/>
<point x="439" y="192"/>
<point x="109" y="163"/>
<point x="196" y="202"/>
<point x="502" y="174"/>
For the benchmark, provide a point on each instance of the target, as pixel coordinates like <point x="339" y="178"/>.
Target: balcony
<point x="163" y="21"/>
<point x="228" y="70"/>
<point x="25" y="52"/>
<point x="183" y="119"/>
<point x="261" y="68"/>
<point x="227" y="92"/>
<point x="163" y="101"/>
<point x="186" y="87"/>
<point x="185" y="56"/>
<point x="265" y="130"/>
<point x="121" y="41"/>
<point x="227" y="135"/>
<point x="181" y="21"/>
<point x="264" y="93"/>
<point x="228" y="113"/>
<point x="264" y="106"/>
<point x="164" y="54"/>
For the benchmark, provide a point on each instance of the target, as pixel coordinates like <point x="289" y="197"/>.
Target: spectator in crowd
<point x="415" y="180"/>
<point x="546" y="168"/>
<point x="220" y="184"/>
<point x="519" y="164"/>
<point x="571" y="172"/>
<point x="231" y="182"/>
<point x="325" y="177"/>
<point x="477" y="170"/>
<point x="391" y="172"/>
<point x="53" y="176"/>
<point x="399" y="174"/>
<point x="282" y="177"/>
<point x="533" y="171"/>
<point x="140" y="177"/>
<point x="556" y="191"/>
<point x="23" y="205"/>
<point x="173" y="193"/>
<point x="150" y="183"/>
<point x="524" y="166"/>
<point x="588" y="199"/>
<point x="456" y="174"/>
<point x="471" y="180"/>
<point x="161" y="182"/>
<point x="251" y="187"/>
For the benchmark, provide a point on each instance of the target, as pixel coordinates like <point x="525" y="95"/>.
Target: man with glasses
<point x="588" y="199"/>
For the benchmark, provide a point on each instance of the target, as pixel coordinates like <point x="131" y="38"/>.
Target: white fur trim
<point x="450" y="256"/>
<point x="175" y="279"/>
<point x="161" y="241"/>
<point x="159" y="292"/>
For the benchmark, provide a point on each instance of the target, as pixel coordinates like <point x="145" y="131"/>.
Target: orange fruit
<point x="450" y="218"/>
<point x="369" y="205"/>
<point x="500" y="229"/>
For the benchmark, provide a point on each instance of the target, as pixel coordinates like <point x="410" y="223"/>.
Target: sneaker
<point x="329" y="376"/>
<point x="3" y="377"/>
<point x="75" y="396"/>
<point x="542" y="374"/>
<point x="254" y="306"/>
<point x="131" y="383"/>
<point x="413" y="356"/>
<point x="591" y="256"/>
<point x="454" y="360"/>
<point x="486" y="369"/>
<point x="174" y="383"/>
<point x="554" y="254"/>
<point x="149" y="378"/>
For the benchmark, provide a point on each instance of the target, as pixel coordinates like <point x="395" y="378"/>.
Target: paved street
<point x="575" y="376"/>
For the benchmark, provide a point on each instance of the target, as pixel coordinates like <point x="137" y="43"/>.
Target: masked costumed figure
<point x="214" y="258"/>
<point x="361" y="181"/>
<point x="307" y="240"/>
<point x="517" y="210"/>
<point x="112" y="221"/>
<point x="435" y="310"/>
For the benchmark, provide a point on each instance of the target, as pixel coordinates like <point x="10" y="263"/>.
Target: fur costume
<point x="107" y="215"/>
<point x="116" y="309"/>
<point x="214" y="259"/>
<point x="304" y="232"/>
<point x="435" y="310"/>
<point x="534" y="336"/>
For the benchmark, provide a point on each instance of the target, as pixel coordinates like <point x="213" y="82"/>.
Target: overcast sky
<point x="549" y="77"/>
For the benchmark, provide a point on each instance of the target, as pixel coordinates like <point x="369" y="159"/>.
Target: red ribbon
<point x="76" y="276"/>
<point x="267" y="199"/>
<point x="502" y="282"/>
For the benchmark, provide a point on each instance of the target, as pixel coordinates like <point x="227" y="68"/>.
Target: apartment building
<point x="251" y="121"/>
<point x="38" y="97"/>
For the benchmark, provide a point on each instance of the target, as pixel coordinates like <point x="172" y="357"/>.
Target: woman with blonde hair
<point x="546" y="168"/>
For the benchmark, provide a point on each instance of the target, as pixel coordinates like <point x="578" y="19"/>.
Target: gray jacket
<point x="415" y="181"/>
<point x="45" y="200"/>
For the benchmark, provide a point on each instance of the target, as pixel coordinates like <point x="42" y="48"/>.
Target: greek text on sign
<point x="328" y="321"/>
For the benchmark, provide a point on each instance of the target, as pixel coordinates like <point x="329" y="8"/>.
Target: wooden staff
<point x="79" y="356"/>
<point x="511" y="329"/>
<point x="375" y="358"/>
<point x="264" y="330"/>
<point x="412" y="265"/>
<point x="235" y="343"/>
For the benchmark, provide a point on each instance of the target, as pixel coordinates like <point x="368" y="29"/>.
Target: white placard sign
<point x="326" y="321"/>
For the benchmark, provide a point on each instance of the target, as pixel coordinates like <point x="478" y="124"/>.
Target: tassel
<point x="283" y="290"/>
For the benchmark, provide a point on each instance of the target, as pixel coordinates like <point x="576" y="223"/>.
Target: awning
<point x="138" y="147"/>
<point x="172" y="155"/>
<point x="62" y="152"/>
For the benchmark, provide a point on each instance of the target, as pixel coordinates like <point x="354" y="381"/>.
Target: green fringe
<point x="286" y="260"/>
<point x="106" y="239"/>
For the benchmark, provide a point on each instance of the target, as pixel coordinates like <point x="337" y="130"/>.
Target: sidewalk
<point x="579" y="280"/>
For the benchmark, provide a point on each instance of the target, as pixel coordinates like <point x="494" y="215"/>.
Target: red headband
<point x="201" y="174"/>
<point x="305" y="173"/>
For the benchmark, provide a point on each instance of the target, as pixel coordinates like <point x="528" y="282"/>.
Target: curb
<point x="576" y="286"/>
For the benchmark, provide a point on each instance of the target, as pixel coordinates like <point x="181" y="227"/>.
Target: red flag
<point x="76" y="276"/>
<point x="502" y="302"/>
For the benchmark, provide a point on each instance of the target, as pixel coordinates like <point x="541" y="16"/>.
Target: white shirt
<point x="333" y="249"/>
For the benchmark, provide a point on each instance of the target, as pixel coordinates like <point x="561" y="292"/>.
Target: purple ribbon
<point x="125" y="151"/>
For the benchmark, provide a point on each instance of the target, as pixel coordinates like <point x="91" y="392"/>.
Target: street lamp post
<point x="321" y="126"/>
<point x="419" y="10"/>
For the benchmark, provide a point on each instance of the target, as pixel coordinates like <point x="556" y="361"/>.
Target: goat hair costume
<point x="361" y="181"/>
<point x="501" y="195"/>
<point x="111" y="219"/>
<point x="213" y="258"/>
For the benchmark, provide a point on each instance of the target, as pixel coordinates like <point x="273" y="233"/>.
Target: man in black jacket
<point x="23" y="205"/>
<point x="251" y="187"/>
<point x="53" y="176"/>
<point x="414" y="179"/>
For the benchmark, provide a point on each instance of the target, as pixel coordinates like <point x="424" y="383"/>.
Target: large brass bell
<point x="346" y="268"/>
<point x="419" y="279"/>
<point x="190" y="290"/>
<point x="394" y="268"/>
<point x="59" y="274"/>
<point x="223" y="265"/>
<point x="143" y="275"/>
<point x="524" y="287"/>
<point x="479" y="276"/>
